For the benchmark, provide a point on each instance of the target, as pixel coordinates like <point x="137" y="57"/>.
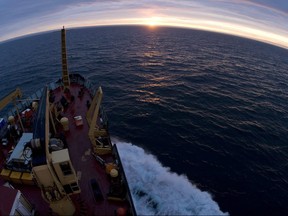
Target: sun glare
<point x="153" y="22"/>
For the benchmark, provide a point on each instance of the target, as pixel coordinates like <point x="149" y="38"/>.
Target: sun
<point x="153" y="22"/>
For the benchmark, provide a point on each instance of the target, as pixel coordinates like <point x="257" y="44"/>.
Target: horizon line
<point x="19" y="37"/>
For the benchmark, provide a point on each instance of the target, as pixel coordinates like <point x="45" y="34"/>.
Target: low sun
<point x="153" y="22"/>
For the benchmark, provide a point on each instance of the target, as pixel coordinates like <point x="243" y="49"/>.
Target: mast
<point x="53" y="169"/>
<point x="65" y="73"/>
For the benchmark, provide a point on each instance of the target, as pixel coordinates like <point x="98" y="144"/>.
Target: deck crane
<point x="12" y="97"/>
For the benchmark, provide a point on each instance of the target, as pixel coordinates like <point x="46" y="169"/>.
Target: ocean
<point x="201" y="118"/>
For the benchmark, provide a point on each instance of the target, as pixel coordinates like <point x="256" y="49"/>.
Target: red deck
<point x="83" y="161"/>
<point x="81" y="156"/>
<point x="7" y="197"/>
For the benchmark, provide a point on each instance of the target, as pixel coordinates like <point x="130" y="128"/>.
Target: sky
<point x="263" y="20"/>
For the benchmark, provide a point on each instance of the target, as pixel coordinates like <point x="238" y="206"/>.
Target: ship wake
<point x="158" y="191"/>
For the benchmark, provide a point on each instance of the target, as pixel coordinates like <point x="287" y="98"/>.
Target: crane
<point x="11" y="97"/>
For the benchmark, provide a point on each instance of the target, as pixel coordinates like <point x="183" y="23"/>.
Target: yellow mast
<point x="65" y="73"/>
<point x="57" y="177"/>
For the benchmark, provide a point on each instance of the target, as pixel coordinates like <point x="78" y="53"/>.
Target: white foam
<point x="158" y="191"/>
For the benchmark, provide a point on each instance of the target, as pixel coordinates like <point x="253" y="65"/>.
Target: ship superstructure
<point x="56" y="149"/>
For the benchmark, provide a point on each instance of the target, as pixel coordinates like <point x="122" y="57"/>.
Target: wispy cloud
<point x="280" y="5"/>
<point x="259" y="19"/>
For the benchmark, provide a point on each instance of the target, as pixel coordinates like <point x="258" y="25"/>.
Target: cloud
<point x="280" y="5"/>
<point x="259" y="19"/>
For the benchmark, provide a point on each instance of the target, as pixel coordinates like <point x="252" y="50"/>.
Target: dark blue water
<point x="211" y="106"/>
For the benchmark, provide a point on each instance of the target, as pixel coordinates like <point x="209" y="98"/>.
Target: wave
<point x="158" y="191"/>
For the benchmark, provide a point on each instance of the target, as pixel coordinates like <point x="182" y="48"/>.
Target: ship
<point x="57" y="157"/>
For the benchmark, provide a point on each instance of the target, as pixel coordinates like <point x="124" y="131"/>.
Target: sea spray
<point x="158" y="191"/>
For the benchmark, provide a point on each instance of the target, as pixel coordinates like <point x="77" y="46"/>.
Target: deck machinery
<point x="64" y="148"/>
